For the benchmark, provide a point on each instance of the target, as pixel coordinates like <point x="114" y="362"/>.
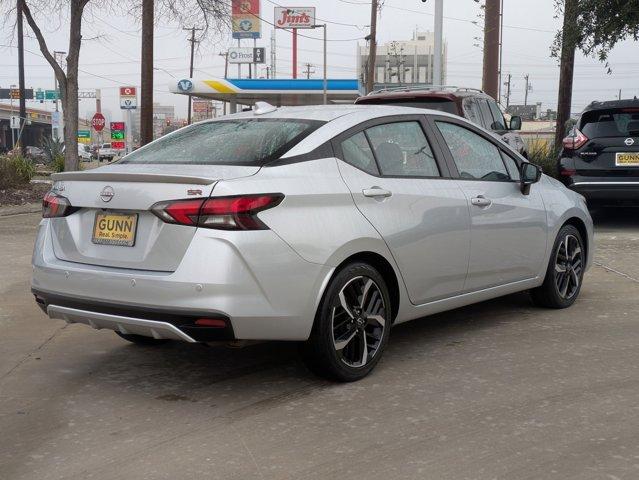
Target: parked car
<point x="84" y="152"/>
<point x="600" y="155"/>
<point x="103" y="152"/>
<point x="325" y="225"/>
<point x="470" y="103"/>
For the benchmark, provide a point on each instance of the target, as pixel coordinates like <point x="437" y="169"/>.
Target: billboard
<point x="245" y="18"/>
<point x="247" y="55"/>
<point x="294" y="17"/>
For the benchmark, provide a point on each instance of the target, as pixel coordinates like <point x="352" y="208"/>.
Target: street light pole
<point x="23" y="105"/>
<point x="325" y="80"/>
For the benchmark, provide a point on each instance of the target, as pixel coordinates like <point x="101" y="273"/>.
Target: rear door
<point x="392" y="169"/>
<point x="508" y="228"/>
<point x="612" y="149"/>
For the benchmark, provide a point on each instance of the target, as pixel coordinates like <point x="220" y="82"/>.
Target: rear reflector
<point x="225" y="213"/>
<point x="54" y="205"/>
<point x="211" y="322"/>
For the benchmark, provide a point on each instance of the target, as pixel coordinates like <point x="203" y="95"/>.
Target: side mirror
<point x="529" y="173"/>
<point x="515" y="122"/>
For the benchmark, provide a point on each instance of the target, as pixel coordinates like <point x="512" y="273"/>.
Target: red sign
<point x="245" y="6"/>
<point x="98" y="121"/>
<point x="117" y="126"/>
<point x="118" y="145"/>
<point x="127" y="91"/>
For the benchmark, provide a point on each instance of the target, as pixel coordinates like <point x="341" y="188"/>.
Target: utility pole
<point x="372" y="49"/>
<point x="437" y="54"/>
<point x="273" y="52"/>
<point x="507" y="83"/>
<point x="490" y="77"/>
<point x="566" y="70"/>
<point x="146" y="81"/>
<point x="308" y="70"/>
<point x="192" y="40"/>
<point x="527" y="78"/>
<point x="23" y="105"/>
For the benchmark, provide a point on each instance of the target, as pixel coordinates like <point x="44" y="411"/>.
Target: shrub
<point x="57" y="164"/>
<point x="53" y="149"/>
<point x="542" y="154"/>
<point x="15" y="170"/>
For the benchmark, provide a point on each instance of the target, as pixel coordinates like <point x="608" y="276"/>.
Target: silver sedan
<point x="324" y="225"/>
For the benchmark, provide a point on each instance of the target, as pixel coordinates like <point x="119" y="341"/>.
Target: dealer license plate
<point x="115" y="229"/>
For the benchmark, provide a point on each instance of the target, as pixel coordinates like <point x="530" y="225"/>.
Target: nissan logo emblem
<point x="107" y="194"/>
<point x="629" y="141"/>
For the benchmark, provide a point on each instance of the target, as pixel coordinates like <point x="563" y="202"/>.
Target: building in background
<point x="404" y="61"/>
<point x="163" y="115"/>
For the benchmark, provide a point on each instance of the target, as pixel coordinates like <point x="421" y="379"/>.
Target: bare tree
<point x="212" y="15"/>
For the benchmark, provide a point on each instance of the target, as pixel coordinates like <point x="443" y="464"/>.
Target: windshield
<point x="610" y="123"/>
<point x="250" y="142"/>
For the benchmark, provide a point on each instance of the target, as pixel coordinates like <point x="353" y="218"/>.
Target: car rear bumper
<point x="603" y="189"/>
<point x="262" y="287"/>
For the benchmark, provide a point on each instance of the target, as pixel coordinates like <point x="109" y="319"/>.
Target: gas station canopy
<point x="278" y="92"/>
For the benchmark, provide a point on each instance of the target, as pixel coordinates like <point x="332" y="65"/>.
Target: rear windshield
<point x="610" y="123"/>
<point x="441" y="104"/>
<point x="226" y="142"/>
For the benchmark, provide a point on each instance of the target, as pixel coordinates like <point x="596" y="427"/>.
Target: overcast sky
<point x="111" y="50"/>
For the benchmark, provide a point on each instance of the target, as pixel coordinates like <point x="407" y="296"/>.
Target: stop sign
<point x="98" y="122"/>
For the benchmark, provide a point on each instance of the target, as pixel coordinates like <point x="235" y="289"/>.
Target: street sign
<point x="294" y="17"/>
<point x="98" y="121"/>
<point x="14" y="93"/>
<point x="52" y="94"/>
<point x="247" y="55"/>
<point x="128" y="98"/>
<point x="39" y="94"/>
<point x="245" y="19"/>
<point x="56" y="118"/>
<point x="84" y="133"/>
<point x="15" y="122"/>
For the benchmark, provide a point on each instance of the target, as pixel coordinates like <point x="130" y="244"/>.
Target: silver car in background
<point x="324" y="225"/>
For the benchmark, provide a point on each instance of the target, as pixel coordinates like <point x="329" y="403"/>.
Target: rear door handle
<point x="481" y="201"/>
<point x="376" y="192"/>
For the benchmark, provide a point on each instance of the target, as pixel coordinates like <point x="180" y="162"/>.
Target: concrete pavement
<point x="500" y="390"/>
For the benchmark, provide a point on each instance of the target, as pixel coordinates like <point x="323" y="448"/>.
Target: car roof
<point x="450" y="93"/>
<point x="328" y="113"/>
<point x="628" y="103"/>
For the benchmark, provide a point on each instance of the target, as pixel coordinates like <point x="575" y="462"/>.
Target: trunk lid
<point x="158" y="246"/>
<point x="598" y="157"/>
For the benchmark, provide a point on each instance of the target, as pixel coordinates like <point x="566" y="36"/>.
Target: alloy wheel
<point x="568" y="266"/>
<point x="358" y="321"/>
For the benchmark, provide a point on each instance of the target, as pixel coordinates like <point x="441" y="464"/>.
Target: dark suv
<point x="470" y="103"/>
<point x="600" y="155"/>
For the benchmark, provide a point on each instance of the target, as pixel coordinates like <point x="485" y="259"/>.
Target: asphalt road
<point x="500" y="390"/>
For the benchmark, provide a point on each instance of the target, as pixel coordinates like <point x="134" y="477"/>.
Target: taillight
<point x="576" y="141"/>
<point x="224" y="213"/>
<point x="54" y="205"/>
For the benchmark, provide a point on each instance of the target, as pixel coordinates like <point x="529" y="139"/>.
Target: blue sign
<point x="185" y="85"/>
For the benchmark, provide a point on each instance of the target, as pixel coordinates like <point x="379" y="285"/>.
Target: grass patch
<point x="15" y="171"/>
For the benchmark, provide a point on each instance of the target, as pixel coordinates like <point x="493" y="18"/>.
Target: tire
<point x="348" y="348"/>
<point x="142" y="340"/>
<point x="564" y="275"/>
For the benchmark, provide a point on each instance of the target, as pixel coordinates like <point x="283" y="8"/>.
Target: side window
<point x="402" y="149"/>
<point x="357" y="151"/>
<point x="500" y="123"/>
<point x="475" y="157"/>
<point x="471" y="111"/>
<point x="511" y="165"/>
<point x="485" y="113"/>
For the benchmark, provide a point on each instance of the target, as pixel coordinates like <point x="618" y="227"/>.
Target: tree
<point x="595" y="27"/>
<point x="212" y="14"/>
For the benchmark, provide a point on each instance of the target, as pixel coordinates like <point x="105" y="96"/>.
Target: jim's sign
<point x="294" y="17"/>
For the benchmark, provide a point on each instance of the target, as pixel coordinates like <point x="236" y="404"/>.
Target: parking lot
<point x="499" y="390"/>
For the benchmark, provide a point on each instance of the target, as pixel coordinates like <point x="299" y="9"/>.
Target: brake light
<point x="575" y="141"/>
<point x="223" y="213"/>
<point x="54" y="205"/>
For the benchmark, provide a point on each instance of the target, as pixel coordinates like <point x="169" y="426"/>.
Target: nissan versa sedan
<point x="324" y="225"/>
